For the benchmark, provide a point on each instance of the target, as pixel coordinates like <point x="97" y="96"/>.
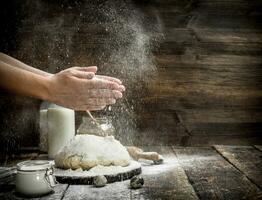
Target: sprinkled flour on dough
<point x="87" y="151"/>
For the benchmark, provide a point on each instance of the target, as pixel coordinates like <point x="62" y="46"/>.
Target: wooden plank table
<point x="247" y="159"/>
<point x="213" y="177"/>
<point x="222" y="172"/>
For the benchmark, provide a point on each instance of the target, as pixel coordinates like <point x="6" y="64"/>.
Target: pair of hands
<point x="79" y="88"/>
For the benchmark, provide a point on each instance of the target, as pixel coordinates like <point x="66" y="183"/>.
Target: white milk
<point x="61" y="128"/>
<point x="43" y="130"/>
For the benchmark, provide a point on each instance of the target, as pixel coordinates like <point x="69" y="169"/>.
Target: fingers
<point x="96" y="108"/>
<point x="104" y="93"/>
<point x="94" y="70"/>
<point x="121" y="88"/>
<point x="107" y="82"/>
<point x="102" y="84"/>
<point x="100" y="81"/>
<point x="83" y="74"/>
<point x="87" y="69"/>
<point x="109" y="79"/>
<point x="115" y="80"/>
<point x="90" y="108"/>
<point x="96" y="104"/>
<point x="101" y="101"/>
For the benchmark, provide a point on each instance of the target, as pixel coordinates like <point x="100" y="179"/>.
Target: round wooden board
<point x="87" y="177"/>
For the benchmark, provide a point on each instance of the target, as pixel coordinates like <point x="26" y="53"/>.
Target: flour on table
<point x="87" y="151"/>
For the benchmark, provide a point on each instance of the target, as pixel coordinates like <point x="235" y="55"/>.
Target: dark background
<point x="193" y="68"/>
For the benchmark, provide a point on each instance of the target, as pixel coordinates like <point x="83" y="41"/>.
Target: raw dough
<point x="100" y="181"/>
<point x="87" y="151"/>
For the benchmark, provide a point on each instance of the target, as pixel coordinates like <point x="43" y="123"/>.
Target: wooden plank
<point x="177" y="48"/>
<point x="245" y="158"/>
<point x="198" y="99"/>
<point x="211" y="41"/>
<point x="179" y="35"/>
<point x="234" y="75"/>
<point x="210" y="48"/>
<point x="169" y="88"/>
<point x="220" y="115"/>
<point x="7" y="175"/>
<point x="176" y="20"/>
<point x="237" y="60"/>
<point x="213" y="177"/>
<point x="166" y="181"/>
<point x="219" y="35"/>
<point x="229" y="86"/>
<point x="58" y="194"/>
<point x="118" y="190"/>
<point x="177" y="96"/>
<point x="8" y="193"/>
<point x="209" y="140"/>
<point x="91" y="36"/>
<point x="172" y="5"/>
<point x="12" y="160"/>
<point x="149" y="136"/>
<point x="205" y="20"/>
<point x="230" y="7"/>
<point x="214" y="48"/>
<point x="213" y="128"/>
<point x="174" y="40"/>
<point x="259" y="147"/>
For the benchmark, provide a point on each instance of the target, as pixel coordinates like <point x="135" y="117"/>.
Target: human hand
<point x="79" y="88"/>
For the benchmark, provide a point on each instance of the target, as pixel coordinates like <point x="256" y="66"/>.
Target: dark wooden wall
<point x="210" y="72"/>
<point x="207" y="85"/>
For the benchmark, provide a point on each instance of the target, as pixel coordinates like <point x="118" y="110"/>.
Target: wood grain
<point x="245" y="158"/>
<point x="206" y="20"/>
<point x="223" y="129"/>
<point x="165" y="181"/>
<point x="213" y="139"/>
<point x="9" y="193"/>
<point x="213" y="177"/>
<point x="118" y="191"/>
<point x="220" y="115"/>
<point x="259" y="147"/>
<point x="7" y="175"/>
<point x="208" y="59"/>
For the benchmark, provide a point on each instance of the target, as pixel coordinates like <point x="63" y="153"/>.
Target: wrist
<point x="47" y="88"/>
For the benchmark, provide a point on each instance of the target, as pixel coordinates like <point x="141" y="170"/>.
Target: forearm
<point x="23" y="82"/>
<point x="16" y="63"/>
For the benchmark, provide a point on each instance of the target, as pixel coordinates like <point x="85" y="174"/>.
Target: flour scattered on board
<point x="98" y="170"/>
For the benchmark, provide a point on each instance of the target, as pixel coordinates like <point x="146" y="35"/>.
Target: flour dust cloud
<point x="118" y="36"/>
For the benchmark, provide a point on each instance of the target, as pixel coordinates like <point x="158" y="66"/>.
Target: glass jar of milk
<point x="61" y="128"/>
<point x="56" y="127"/>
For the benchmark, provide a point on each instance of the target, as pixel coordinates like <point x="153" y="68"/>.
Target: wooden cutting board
<point x="87" y="177"/>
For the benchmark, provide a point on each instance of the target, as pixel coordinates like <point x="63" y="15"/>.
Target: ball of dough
<point x="100" y="181"/>
<point x="87" y="151"/>
<point x="136" y="182"/>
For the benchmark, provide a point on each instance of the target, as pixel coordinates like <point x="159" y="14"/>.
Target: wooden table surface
<point x="218" y="172"/>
